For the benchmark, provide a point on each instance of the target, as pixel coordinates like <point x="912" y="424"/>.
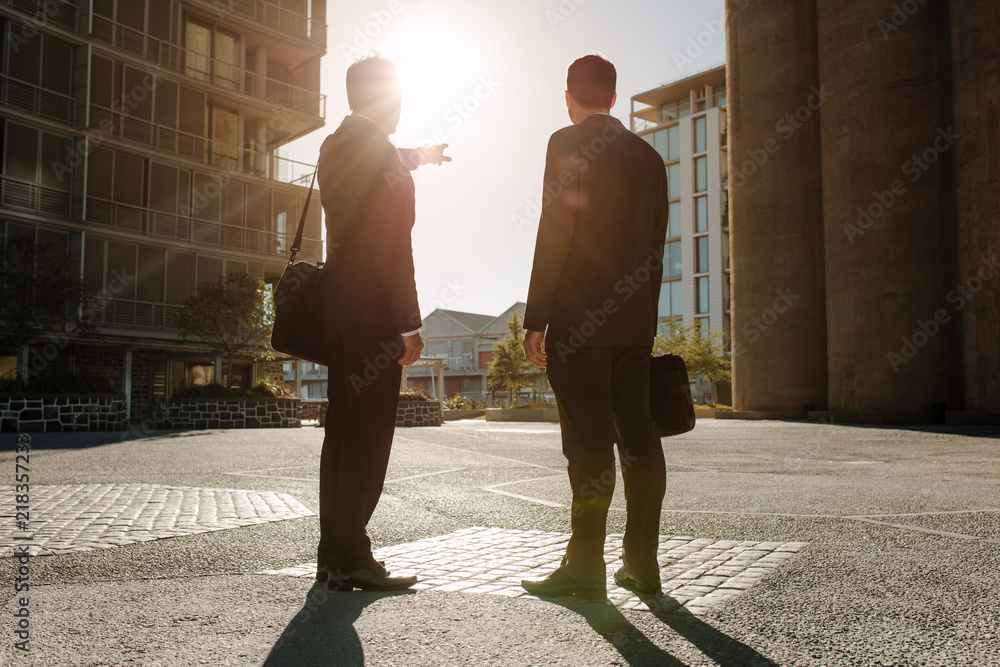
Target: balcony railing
<point x="273" y="16"/>
<point x="197" y="231"/>
<point x="34" y="198"/>
<point x="210" y="70"/>
<point x="224" y="157"/>
<point x="140" y="314"/>
<point x="36" y="100"/>
<point x="62" y="13"/>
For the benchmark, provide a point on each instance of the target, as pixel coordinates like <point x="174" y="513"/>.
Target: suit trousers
<point x="603" y="398"/>
<point x="364" y="378"/>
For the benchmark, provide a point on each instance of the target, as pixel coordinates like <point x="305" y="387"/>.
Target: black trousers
<point x="361" y="419"/>
<point x="603" y="397"/>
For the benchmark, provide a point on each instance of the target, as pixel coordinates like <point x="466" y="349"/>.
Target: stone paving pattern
<point x="82" y="517"/>
<point x="697" y="573"/>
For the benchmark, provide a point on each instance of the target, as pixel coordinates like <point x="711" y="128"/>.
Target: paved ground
<point x="781" y="543"/>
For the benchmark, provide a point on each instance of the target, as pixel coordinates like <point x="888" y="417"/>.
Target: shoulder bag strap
<point x="297" y="243"/>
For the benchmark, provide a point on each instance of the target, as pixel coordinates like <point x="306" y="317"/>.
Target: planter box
<point x="418" y="413"/>
<point x="453" y="415"/>
<point x="550" y="415"/>
<point x="33" y="413"/>
<point x="206" y="413"/>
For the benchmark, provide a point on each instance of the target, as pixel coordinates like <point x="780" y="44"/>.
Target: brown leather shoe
<point x="367" y="580"/>
<point x="323" y="574"/>
<point x="559" y="584"/>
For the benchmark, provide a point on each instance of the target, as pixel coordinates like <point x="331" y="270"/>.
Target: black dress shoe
<point x="642" y="589"/>
<point x="367" y="580"/>
<point x="559" y="584"/>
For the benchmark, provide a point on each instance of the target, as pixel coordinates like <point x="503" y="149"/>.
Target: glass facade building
<point x="686" y="122"/>
<point x="141" y="138"/>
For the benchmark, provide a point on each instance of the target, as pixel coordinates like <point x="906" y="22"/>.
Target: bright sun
<point x="439" y="72"/>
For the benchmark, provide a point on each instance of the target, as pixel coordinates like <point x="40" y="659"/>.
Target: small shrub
<point x="271" y="387"/>
<point x="414" y="394"/>
<point x="459" y="402"/>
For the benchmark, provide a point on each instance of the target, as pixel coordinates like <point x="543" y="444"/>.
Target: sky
<point x="487" y="78"/>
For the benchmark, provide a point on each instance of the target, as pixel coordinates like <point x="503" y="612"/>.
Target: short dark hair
<point x="591" y="80"/>
<point x="369" y="80"/>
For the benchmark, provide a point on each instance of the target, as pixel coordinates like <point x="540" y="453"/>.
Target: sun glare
<point x="441" y="78"/>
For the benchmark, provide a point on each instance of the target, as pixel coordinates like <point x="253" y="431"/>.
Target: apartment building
<point x="142" y="138"/>
<point x="685" y="121"/>
<point x="464" y="340"/>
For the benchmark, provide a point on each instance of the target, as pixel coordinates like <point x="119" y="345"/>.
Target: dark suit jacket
<point x="367" y="194"/>
<point x="599" y="252"/>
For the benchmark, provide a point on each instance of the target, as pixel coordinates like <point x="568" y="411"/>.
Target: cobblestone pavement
<point x="697" y="573"/>
<point x="67" y="518"/>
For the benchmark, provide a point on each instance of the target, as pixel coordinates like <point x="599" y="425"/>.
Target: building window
<point x="701" y="214"/>
<point x="701" y="295"/>
<point x="701" y="174"/>
<point x="672" y="260"/>
<point x="701" y="245"/>
<point x="700" y="143"/>
<point x="674" y="221"/>
<point x="666" y="142"/>
<point x="671" y="299"/>
<point x="720" y="97"/>
<point x="225" y="137"/>
<point x="212" y="54"/>
<point x="674" y="181"/>
<point x="675" y="110"/>
<point x="704" y="326"/>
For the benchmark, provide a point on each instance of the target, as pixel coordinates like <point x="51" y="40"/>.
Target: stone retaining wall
<point x="418" y="413"/>
<point x="202" y="413"/>
<point x="54" y="414"/>
<point x="408" y="413"/>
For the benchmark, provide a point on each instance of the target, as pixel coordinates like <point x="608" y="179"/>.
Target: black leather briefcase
<point x="670" y="395"/>
<point x="296" y="329"/>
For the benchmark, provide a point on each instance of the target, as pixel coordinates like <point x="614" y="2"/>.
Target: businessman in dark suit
<point x="593" y="295"/>
<point x="369" y="316"/>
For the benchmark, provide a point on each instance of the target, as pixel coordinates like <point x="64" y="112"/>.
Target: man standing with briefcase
<point x="593" y="298"/>
<point x="369" y="317"/>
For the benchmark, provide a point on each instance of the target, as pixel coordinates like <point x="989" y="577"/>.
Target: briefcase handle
<point x="297" y="243"/>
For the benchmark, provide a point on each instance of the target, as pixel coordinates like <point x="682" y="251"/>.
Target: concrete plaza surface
<point x="781" y="544"/>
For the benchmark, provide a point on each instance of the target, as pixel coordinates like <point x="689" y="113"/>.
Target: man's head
<point x="590" y="86"/>
<point x="373" y="90"/>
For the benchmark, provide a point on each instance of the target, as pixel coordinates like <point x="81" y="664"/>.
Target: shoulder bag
<point x="297" y="330"/>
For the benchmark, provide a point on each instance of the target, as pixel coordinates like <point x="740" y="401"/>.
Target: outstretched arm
<point x="414" y="157"/>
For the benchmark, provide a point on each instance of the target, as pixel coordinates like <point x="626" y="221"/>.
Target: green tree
<point x="703" y="352"/>
<point x="510" y="370"/>
<point x="233" y="314"/>
<point x="40" y="296"/>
